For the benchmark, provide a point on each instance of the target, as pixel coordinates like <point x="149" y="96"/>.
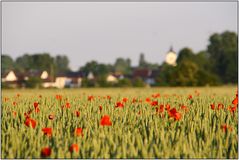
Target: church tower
<point x="171" y="57"/>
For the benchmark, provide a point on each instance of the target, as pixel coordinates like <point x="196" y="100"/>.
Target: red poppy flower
<point x="232" y="109"/>
<point x="148" y="100"/>
<point x="160" y="109"/>
<point x="125" y="100"/>
<point x="45" y="152"/>
<point x="77" y="113"/>
<point x="18" y="95"/>
<point x="51" y="116"/>
<point x="14" y="113"/>
<point x="14" y="103"/>
<point x="30" y="122"/>
<point x="100" y="107"/>
<point x="40" y="96"/>
<point x="154" y="103"/>
<point x="35" y="104"/>
<point x="59" y="97"/>
<point x="6" y="99"/>
<point x="157" y="110"/>
<point x="47" y="131"/>
<point x="212" y="106"/>
<point x="79" y="132"/>
<point x="105" y="121"/>
<point x="190" y="96"/>
<point x="119" y="104"/>
<point x="167" y="107"/>
<point x="134" y="100"/>
<point x="235" y="101"/>
<point x="29" y="112"/>
<point x="68" y="105"/>
<point x="183" y="107"/>
<point x="108" y="97"/>
<point x="173" y="113"/>
<point x="74" y="148"/>
<point x="177" y="116"/>
<point x="220" y="106"/>
<point x="37" y="110"/>
<point x="90" y="98"/>
<point x="225" y="128"/>
<point x="157" y="95"/>
<point x="26" y="115"/>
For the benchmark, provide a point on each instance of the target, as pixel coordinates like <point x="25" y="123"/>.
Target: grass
<point x="137" y="130"/>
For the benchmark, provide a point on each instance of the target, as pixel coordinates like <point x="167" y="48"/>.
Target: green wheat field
<point x="120" y="123"/>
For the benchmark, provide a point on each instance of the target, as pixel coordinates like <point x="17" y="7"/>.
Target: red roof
<point x="143" y="73"/>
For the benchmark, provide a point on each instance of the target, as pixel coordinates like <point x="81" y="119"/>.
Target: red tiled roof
<point x="143" y="73"/>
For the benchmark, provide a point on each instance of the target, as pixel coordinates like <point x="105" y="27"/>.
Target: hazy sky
<point x="104" y="31"/>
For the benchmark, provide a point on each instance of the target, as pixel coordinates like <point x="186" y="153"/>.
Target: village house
<point x="114" y="77"/>
<point x="147" y="75"/>
<point x="9" y="77"/>
<point x="69" y="79"/>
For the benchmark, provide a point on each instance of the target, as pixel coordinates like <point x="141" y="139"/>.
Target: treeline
<point x="216" y="65"/>
<point x="40" y="61"/>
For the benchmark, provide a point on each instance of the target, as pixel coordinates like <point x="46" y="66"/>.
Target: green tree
<point x="61" y="63"/>
<point x="142" y="61"/>
<point x="42" y="62"/>
<point x="7" y="63"/>
<point x="96" y="68"/>
<point x="223" y="55"/>
<point x="24" y="63"/>
<point x="124" y="83"/>
<point x="88" y="83"/>
<point x="207" y="78"/>
<point x="123" y="65"/>
<point x="202" y="60"/>
<point x="36" y="62"/>
<point x="34" y="82"/>
<point x="185" y="54"/>
<point x="167" y="76"/>
<point x="138" y="82"/>
<point x="186" y="73"/>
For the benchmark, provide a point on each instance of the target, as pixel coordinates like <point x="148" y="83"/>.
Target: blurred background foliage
<point x="216" y="65"/>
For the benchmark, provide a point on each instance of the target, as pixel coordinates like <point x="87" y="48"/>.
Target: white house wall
<point x="10" y="77"/>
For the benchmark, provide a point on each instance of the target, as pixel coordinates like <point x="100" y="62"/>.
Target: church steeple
<point x="171" y="49"/>
<point x="171" y="57"/>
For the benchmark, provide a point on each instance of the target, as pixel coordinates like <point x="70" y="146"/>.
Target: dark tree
<point x="185" y="54"/>
<point x="61" y="63"/>
<point x="223" y="52"/>
<point x="123" y="65"/>
<point x="24" y="63"/>
<point x="7" y="63"/>
<point x="142" y="61"/>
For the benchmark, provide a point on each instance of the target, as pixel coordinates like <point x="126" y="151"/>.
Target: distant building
<point x="111" y="79"/>
<point x="74" y="79"/>
<point x="145" y="74"/>
<point x="47" y="81"/>
<point x="9" y="77"/>
<point x="14" y="79"/>
<point x="60" y="81"/>
<point x="171" y="57"/>
<point x="90" y="76"/>
<point x="69" y="79"/>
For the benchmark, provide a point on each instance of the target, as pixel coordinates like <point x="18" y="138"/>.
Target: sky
<point x="104" y="31"/>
